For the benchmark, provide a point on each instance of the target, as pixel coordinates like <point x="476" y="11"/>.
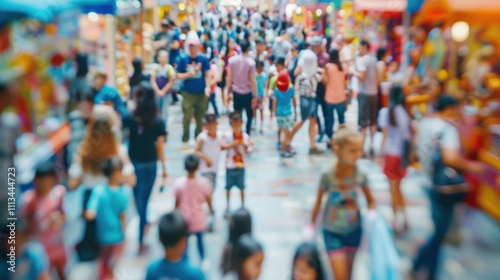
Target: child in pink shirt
<point x="42" y="209"/>
<point x="191" y="193"/>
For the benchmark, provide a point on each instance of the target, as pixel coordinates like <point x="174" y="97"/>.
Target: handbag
<point x="445" y="178"/>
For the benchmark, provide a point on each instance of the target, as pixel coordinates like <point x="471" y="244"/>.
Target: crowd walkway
<point x="280" y="195"/>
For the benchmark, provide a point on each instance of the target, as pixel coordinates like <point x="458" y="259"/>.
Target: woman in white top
<point x="395" y="124"/>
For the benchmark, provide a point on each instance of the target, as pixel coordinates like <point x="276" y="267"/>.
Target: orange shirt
<point x="335" y="88"/>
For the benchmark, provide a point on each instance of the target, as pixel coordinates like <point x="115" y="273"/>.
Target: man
<point x="366" y="73"/>
<point x="241" y="79"/>
<point x="160" y="38"/>
<point x="194" y="70"/>
<point x="436" y="134"/>
<point x="255" y="19"/>
<point x="108" y="95"/>
<point x="347" y="60"/>
<point x="282" y="46"/>
<point x="261" y="53"/>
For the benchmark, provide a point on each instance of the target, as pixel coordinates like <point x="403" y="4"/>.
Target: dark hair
<point x="280" y="60"/>
<point x="137" y="76"/>
<point x="234" y="116"/>
<point x="272" y="57"/>
<point x="210" y="118"/>
<point x="365" y="43"/>
<point x="335" y="58"/>
<point x="84" y="93"/>
<point x="396" y="97"/>
<point x="245" y="46"/>
<point x="229" y="23"/>
<point x="310" y="253"/>
<point x="446" y="101"/>
<point x="240" y="224"/>
<point x="111" y="165"/>
<point x="146" y="110"/>
<point x="172" y="228"/>
<point x="82" y="64"/>
<point x="259" y="64"/>
<point x="381" y="53"/>
<point x="238" y="29"/>
<point x="191" y="163"/>
<point x="45" y="169"/>
<point x="158" y="52"/>
<point x="245" y="248"/>
<point x="246" y="34"/>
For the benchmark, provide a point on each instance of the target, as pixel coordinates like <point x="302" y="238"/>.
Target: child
<point x="107" y="205"/>
<point x="283" y="95"/>
<point x="261" y="79"/>
<point x="341" y="220"/>
<point x="240" y="224"/>
<point x="173" y="232"/>
<point x="208" y="149"/>
<point x="216" y="76"/>
<point x="307" y="264"/>
<point x="238" y="145"/>
<point x="42" y="209"/>
<point x="276" y="68"/>
<point x="191" y="193"/>
<point x="248" y="261"/>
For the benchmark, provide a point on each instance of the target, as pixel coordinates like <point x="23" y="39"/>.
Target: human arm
<point x="449" y="143"/>
<point x="360" y="73"/>
<point x="182" y="72"/>
<point x="128" y="170"/>
<point x="324" y="75"/>
<point x="152" y="79"/>
<point x="209" y="203"/>
<point x="274" y="104"/>
<point x="160" y="140"/>
<point x="317" y="205"/>
<point x="369" y="197"/>
<point x="75" y="173"/>
<point x="229" y="78"/>
<point x="205" y="67"/>
<point x="251" y="76"/>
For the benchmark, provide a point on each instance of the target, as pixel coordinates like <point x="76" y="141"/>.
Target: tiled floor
<point x="280" y="195"/>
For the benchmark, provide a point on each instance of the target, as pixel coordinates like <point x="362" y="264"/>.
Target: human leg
<point x="199" y="112"/>
<point x="330" y="120"/>
<point x="199" y="244"/>
<point x="341" y="108"/>
<point x="249" y="111"/>
<point x="146" y="175"/>
<point x="187" y="111"/>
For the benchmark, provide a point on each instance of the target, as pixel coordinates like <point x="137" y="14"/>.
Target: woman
<point x="99" y="145"/>
<point x="229" y="51"/>
<point x="395" y="124"/>
<point x="335" y="94"/>
<point x="147" y="134"/>
<point x="162" y="79"/>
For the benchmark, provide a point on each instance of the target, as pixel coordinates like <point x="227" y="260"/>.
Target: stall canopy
<point x="44" y="11"/>
<point x="485" y="11"/>
<point x="380" y="5"/>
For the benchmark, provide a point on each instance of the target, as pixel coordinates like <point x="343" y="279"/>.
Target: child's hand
<point x="208" y="162"/>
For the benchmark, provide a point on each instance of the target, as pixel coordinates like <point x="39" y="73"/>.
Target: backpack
<point x="307" y="87"/>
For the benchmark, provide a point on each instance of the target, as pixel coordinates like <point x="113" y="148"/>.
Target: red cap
<point x="283" y="81"/>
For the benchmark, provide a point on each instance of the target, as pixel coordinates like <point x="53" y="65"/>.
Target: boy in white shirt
<point x="209" y="144"/>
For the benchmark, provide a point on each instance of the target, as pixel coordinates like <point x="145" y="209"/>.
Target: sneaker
<point x="315" y="151"/>
<point x="286" y="155"/>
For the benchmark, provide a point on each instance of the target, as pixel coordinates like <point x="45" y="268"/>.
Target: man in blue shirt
<point x="104" y="94"/>
<point x="173" y="231"/>
<point x="193" y="68"/>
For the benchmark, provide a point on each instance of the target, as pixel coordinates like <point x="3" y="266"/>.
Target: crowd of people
<point x="259" y="67"/>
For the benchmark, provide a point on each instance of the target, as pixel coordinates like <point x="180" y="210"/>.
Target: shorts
<point x="393" y="168"/>
<point x="260" y="103"/>
<point x="368" y="110"/>
<point x="235" y="178"/>
<point x="285" y="122"/>
<point x="339" y="242"/>
<point x="308" y="108"/>
<point x="212" y="177"/>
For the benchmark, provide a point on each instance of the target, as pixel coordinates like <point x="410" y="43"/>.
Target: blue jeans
<point x="146" y="176"/>
<point x="164" y="102"/>
<point x="199" y="243"/>
<point x="330" y="118"/>
<point x="442" y="211"/>
<point x="213" y="101"/>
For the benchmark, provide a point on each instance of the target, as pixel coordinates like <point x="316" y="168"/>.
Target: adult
<point x="160" y="38"/>
<point x="162" y="80"/>
<point x="282" y="46"/>
<point x="293" y="61"/>
<point x="241" y="79"/>
<point x="194" y="69"/>
<point x="335" y="94"/>
<point x="147" y="134"/>
<point x="230" y="50"/>
<point x="255" y="20"/>
<point x="100" y="144"/>
<point x="305" y="86"/>
<point x="437" y="135"/>
<point x="108" y="95"/>
<point x="323" y="59"/>
<point x="366" y="73"/>
<point x="78" y="120"/>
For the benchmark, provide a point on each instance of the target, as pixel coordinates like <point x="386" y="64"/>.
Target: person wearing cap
<point x="283" y="95"/>
<point x="366" y="73"/>
<point x="241" y="80"/>
<point x="194" y="70"/>
<point x="435" y="135"/>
